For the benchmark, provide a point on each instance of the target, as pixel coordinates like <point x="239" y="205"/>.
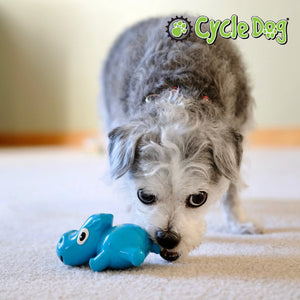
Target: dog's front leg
<point x="235" y="215"/>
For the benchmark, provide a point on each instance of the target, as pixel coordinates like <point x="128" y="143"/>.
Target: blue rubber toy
<point x="105" y="246"/>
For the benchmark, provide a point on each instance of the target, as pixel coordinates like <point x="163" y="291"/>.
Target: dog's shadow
<point x="282" y="230"/>
<point x="242" y="266"/>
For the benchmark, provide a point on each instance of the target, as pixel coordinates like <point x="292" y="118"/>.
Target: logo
<point x="179" y="28"/>
<point x="270" y="29"/>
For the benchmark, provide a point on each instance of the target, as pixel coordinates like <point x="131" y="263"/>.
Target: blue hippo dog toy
<point x="104" y="246"/>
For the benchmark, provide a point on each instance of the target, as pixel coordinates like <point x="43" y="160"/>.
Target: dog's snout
<point x="167" y="239"/>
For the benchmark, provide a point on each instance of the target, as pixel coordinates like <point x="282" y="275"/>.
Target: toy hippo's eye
<point x="82" y="236"/>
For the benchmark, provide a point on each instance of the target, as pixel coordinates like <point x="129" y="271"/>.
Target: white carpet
<point x="45" y="192"/>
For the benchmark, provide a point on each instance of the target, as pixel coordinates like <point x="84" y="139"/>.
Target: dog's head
<point x="177" y="163"/>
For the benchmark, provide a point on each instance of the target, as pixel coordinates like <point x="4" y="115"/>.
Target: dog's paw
<point x="244" y="228"/>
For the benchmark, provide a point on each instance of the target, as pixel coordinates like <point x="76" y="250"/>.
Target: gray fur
<point x="144" y="60"/>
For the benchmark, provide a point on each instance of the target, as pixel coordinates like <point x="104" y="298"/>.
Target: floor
<point x="47" y="191"/>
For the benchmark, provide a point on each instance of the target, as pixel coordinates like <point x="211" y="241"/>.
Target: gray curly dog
<point x="176" y="113"/>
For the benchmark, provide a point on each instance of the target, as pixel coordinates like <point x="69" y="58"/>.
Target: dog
<point x="176" y="113"/>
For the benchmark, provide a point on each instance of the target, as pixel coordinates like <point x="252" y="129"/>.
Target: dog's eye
<point x="196" y="200"/>
<point x="145" y="198"/>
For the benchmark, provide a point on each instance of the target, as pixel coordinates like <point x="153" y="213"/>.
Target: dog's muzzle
<point x="168" y="240"/>
<point x="169" y="255"/>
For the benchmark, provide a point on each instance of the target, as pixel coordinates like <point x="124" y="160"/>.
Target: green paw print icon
<point x="179" y="28"/>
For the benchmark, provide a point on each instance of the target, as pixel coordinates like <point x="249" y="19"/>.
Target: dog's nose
<point x="167" y="239"/>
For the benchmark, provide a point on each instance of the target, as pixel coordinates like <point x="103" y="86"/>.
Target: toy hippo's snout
<point x="63" y="244"/>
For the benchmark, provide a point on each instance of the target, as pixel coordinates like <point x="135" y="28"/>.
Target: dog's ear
<point x="227" y="154"/>
<point x="122" y="145"/>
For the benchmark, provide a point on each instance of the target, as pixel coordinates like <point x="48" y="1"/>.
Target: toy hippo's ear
<point x="102" y="221"/>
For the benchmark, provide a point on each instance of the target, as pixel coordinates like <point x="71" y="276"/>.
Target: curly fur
<point x="176" y="144"/>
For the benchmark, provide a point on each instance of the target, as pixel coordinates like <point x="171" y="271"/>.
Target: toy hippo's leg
<point x="133" y="255"/>
<point x="99" y="262"/>
<point x="154" y="248"/>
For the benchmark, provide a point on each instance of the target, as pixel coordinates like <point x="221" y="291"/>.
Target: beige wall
<point x="51" y="50"/>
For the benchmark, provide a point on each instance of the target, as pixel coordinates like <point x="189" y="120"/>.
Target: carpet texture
<point x="45" y="192"/>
